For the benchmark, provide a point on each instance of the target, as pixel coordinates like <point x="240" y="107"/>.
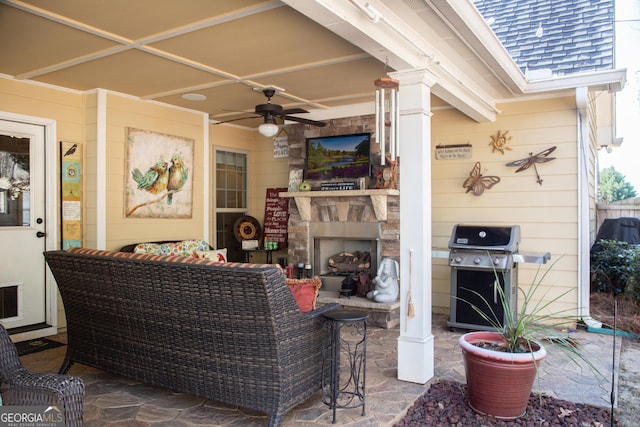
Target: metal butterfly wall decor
<point x="477" y="183"/>
<point x="541" y="157"/>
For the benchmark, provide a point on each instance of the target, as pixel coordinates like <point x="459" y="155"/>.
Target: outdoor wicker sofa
<point x="22" y="387"/>
<point x="229" y="332"/>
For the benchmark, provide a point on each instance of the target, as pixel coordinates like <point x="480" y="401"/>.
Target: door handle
<point x="40" y="234"/>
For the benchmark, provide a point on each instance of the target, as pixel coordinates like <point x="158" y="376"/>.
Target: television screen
<point x="340" y="156"/>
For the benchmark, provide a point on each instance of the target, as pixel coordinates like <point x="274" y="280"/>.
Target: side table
<point x="248" y="252"/>
<point x="343" y="383"/>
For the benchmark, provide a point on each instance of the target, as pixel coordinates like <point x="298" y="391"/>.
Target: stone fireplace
<point x="321" y="222"/>
<point x="342" y="220"/>
<point x="330" y="222"/>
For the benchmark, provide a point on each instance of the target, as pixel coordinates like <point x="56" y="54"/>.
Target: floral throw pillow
<point x="183" y="248"/>
<point x="147" y="248"/>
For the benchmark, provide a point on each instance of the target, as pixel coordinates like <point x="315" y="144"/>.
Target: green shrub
<point x="616" y="269"/>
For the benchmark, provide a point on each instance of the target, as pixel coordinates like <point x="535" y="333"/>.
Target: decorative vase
<point x="498" y="383"/>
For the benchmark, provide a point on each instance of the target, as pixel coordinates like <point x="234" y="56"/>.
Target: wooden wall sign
<point x="71" y="192"/>
<point x="450" y="152"/>
<point x="276" y="217"/>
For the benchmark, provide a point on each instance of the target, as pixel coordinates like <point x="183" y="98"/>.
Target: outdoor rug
<point x="36" y="345"/>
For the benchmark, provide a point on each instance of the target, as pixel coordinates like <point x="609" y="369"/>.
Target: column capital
<point x="415" y="76"/>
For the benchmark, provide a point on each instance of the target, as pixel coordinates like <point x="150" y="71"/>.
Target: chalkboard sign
<point x="276" y="217"/>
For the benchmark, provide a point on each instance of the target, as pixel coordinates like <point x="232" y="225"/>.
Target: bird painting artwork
<point x="155" y="179"/>
<point x="178" y="174"/>
<point x="477" y="183"/>
<point x="71" y="150"/>
<point x="159" y="175"/>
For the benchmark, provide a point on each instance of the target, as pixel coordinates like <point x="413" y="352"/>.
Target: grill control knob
<point x="476" y="260"/>
<point x="496" y="261"/>
<point x="458" y="259"/>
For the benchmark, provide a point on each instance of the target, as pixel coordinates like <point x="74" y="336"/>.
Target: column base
<point x="416" y="359"/>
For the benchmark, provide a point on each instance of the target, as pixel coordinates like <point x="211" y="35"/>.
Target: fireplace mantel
<point x="378" y="200"/>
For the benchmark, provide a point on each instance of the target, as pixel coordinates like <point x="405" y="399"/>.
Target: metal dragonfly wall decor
<point x="526" y="163"/>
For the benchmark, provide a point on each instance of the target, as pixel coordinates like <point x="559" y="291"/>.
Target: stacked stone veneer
<point x="342" y="208"/>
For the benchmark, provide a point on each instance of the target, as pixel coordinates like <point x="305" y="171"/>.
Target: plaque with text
<point x="276" y="217"/>
<point x="451" y="152"/>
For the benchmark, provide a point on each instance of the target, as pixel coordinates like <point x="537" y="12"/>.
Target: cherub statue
<point x="386" y="282"/>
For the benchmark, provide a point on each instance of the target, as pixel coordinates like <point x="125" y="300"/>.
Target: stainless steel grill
<point x="482" y="258"/>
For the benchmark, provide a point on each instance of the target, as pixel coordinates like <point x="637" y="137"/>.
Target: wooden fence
<point x="624" y="208"/>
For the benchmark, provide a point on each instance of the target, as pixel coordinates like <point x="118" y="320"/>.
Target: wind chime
<point x="387" y="116"/>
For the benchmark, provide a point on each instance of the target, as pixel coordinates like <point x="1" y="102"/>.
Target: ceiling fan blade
<point x="235" y="120"/>
<point x="292" y="111"/>
<point x="305" y="121"/>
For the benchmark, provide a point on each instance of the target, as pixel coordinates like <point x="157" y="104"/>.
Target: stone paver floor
<point x="112" y="400"/>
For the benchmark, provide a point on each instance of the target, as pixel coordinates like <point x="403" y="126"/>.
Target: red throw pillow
<point x="305" y="292"/>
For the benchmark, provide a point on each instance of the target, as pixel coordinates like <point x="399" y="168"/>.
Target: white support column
<point x="415" y="344"/>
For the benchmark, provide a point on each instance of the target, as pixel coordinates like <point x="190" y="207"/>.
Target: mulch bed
<point x="445" y="405"/>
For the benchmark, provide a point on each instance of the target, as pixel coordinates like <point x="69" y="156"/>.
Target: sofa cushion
<point x="147" y="248"/>
<point x="181" y="248"/>
<point x="219" y="255"/>
<point x="305" y="292"/>
<point x="138" y="256"/>
<point x="175" y="259"/>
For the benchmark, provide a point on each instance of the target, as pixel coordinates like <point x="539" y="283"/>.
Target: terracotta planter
<point x="499" y="384"/>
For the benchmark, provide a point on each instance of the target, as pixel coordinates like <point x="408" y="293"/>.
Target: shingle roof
<point x="563" y="36"/>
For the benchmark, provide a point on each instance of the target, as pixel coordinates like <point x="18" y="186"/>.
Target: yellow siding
<point x="547" y="213"/>
<point x="600" y="117"/>
<point x="265" y="171"/>
<point x="123" y="112"/>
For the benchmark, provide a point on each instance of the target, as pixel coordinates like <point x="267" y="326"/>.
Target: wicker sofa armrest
<point x="64" y="391"/>
<point x="323" y="309"/>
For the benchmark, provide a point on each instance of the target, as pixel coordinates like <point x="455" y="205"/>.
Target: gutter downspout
<point x="583" y="208"/>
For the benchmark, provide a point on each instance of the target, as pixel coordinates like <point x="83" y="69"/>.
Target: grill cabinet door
<point x="487" y="298"/>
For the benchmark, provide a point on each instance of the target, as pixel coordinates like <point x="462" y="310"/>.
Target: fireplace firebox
<point x="331" y="238"/>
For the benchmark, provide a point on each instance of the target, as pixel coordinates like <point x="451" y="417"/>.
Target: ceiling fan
<point x="271" y="112"/>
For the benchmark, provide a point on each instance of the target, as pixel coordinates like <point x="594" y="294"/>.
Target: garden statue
<point x="386" y="282"/>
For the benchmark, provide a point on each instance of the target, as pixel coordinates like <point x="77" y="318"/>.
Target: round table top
<point x="346" y="315"/>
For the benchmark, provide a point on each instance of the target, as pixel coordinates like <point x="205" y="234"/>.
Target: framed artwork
<point x="71" y="194"/>
<point x="159" y="175"/>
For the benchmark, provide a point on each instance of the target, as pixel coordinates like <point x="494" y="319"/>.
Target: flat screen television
<point x="338" y="157"/>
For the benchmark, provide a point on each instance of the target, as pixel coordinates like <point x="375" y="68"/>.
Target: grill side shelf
<point x="532" y="257"/>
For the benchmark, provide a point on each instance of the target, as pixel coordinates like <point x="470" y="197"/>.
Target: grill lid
<point x="484" y="237"/>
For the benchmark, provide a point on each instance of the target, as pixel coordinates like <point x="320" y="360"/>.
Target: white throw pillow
<point x="218" y="255"/>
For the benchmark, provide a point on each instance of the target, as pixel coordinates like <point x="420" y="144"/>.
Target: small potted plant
<point x="501" y="365"/>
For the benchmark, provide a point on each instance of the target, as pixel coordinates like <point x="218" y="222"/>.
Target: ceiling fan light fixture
<point x="268" y="129"/>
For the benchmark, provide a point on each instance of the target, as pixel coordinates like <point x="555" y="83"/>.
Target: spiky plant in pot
<point x="501" y="365"/>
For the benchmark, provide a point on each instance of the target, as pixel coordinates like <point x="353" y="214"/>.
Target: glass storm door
<point x="22" y="225"/>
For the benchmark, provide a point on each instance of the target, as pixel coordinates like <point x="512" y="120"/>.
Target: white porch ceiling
<point x="325" y="54"/>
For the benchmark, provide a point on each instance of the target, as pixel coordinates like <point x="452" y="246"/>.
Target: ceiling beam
<point x="398" y="44"/>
